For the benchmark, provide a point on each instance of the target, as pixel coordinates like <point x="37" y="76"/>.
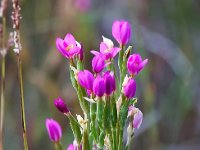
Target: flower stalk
<point x="3" y="52"/>
<point x="16" y="17"/>
<point x="21" y="88"/>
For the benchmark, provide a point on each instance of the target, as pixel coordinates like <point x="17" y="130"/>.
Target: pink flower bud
<point x="99" y="86"/>
<point x="61" y="106"/>
<point x="98" y="63"/>
<point x="86" y="79"/>
<point x="135" y="64"/>
<point x="130" y="88"/>
<point x="137" y="119"/>
<point x="121" y="31"/>
<point x="54" y="130"/>
<point x="137" y="116"/>
<point x="110" y="84"/>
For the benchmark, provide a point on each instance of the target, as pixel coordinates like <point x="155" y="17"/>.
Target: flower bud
<point x="110" y="84"/>
<point x="137" y="120"/>
<point x="61" y="106"/>
<point x="54" y="130"/>
<point x="137" y="116"/>
<point x="130" y="88"/>
<point x="98" y="63"/>
<point x="121" y="31"/>
<point x="86" y="79"/>
<point x="135" y="64"/>
<point x="99" y="86"/>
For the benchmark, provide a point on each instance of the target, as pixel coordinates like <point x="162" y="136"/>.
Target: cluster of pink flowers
<point x="102" y="82"/>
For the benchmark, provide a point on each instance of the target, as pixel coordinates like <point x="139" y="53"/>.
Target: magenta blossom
<point x="110" y="84"/>
<point x="107" y="49"/>
<point x="121" y="31"/>
<point x="68" y="47"/>
<point x="135" y="64"/>
<point x="61" y="106"/>
<point x="99" y="86"/>
<point x="98" y="63"/>
<point x="54" y="130"/>
<point x="86" y="79"/>
<point x="129" y="88"/>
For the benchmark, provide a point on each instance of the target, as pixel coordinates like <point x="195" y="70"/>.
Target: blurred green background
<point x="164" y="31"/>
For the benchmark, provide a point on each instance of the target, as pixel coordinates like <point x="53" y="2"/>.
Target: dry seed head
<point x="17" y="44"/>
<point x="16" y="16"/>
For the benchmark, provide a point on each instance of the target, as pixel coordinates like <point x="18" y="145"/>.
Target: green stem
<point x="75" y="126"/>
<point x="2" y="82"/>
<point x="58" y="146"/>
<point x="86" y="145"/>
<point x="120" y="64"/>
<point x="120" y="144"/>
<point x="23" y="117"/>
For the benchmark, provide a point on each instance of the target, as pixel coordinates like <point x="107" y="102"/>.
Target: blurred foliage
<point x="165" y="31"/>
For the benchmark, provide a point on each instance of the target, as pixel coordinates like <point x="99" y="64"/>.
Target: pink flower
<point x="129" y="88"/>
<point x="99" y="86"/>
<point x="68" y="47"/>
<point x="121" y="31"/>
<point x="135" y="64"/>
<point x="61" y="106"/>
<point x="98" y="63"/>
<point x="110" y="84"/>
<point x="54" y="130"/>
<point x="86" y="79"/>
<point x="107" y="49"/>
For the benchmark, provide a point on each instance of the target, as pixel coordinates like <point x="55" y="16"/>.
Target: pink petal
<point x="114" y="51"/>
<point x="59" y="43"/>
<point x="137" y="121"/>
<point x="95" y="52"/>
<point x="125" y="33"/>
<point x="69" y="39"/>
<point x="73" y="51"/>
<point x="115" y="30"/>
<point x="142" y="65"/>
<point x="103" y="47"/>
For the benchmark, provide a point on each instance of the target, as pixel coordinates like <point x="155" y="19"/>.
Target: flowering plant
<point x="106" y="97"/>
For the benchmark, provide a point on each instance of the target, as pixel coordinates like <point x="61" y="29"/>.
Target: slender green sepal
<point x="101" y="140"/>
<point x="100" y="112"/>
<point x="75" y="128"/>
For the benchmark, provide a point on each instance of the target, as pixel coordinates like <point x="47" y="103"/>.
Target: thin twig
<point x="3" y="54"/>
<point x="23" y="117"/>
